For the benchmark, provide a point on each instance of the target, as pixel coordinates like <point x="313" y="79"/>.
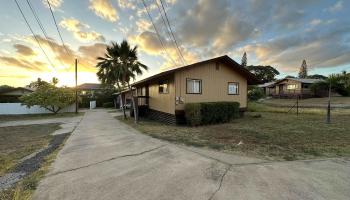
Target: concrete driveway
<point x="106" y="159"/>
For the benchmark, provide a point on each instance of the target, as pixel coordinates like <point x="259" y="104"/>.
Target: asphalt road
<point x="106" y="159"/>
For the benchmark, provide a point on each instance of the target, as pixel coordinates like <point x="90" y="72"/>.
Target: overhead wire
<point x="35" y="37"/>
<point x="58" y="30"/>
<point x="157" y="32"/>
<point x="172" y="32"/>
<point x="168" y="31"/>
<point x="43" y="29"/>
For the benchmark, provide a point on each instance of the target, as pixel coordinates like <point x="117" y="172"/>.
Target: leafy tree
<point x="5" y="88"/>
<point x="264" y="73"/>
<point x="38" y="83"/>
<point x="290" y="76"/>
<point x="317" y="76"/>
<point x="303" y="70"/>
<point x="340" y="83"/>
<point x="255" y="93"/>
<point x="49" y="97"/>
<point x="110" y="72"/>
<point x="131" y="67"/>
<point x="244" y="60"/>
<point x="119" y="66"/>
<point x="54" y="81"/>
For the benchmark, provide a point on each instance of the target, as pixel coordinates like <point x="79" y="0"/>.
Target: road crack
<point x="221" y="181"/>
<point x="107" y="160"/>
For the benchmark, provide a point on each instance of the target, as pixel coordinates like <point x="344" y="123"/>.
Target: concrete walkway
<point x="106" y="159"/>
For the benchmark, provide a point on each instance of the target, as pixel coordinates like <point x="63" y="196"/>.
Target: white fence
<point x="18" y="109"/>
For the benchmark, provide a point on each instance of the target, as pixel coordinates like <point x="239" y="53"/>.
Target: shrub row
<point x="211" y="112"/>
<point x="108" y="105"/>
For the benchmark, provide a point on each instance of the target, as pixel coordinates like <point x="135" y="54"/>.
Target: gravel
<point x="31" y="164"/>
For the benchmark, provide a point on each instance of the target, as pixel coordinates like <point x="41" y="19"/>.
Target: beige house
<point x="218" y="79"/>
<point x="291" y="88"/>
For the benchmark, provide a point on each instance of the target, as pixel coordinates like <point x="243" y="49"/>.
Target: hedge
<point x="108" y="105"/>
<point x="211" y="112"/>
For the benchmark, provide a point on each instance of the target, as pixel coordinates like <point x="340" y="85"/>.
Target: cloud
<point x="320" y="49"/>
<point x="24" y="50"/>
<point x="86" y="56"/>
<point x="89" y="54"/>
<point x="54" y="3"/>
<point x="212" y="22"/>
<point x="336" y="7"/>
<point x="149" y="43"/>
<point x="143" y="25"/>
<point x="104" y="9"/>
<point x="315" y="22"/>
<point x="22" y="63"/>
<point x="130" y="4"/>
<point x="79" y="30"/>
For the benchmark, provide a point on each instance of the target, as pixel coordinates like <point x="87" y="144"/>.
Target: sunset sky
<point x="280" y="33"/>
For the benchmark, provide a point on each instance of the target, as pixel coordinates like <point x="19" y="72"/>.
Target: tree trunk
<point x="133" y="104"/>
<point x="121" y="100"/>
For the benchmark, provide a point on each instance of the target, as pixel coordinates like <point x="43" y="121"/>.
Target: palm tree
<point x="109" y="70"/>
<point x="131" y="67"/>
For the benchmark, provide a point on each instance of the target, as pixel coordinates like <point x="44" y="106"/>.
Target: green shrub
<point x="255" y="93"/>
<point x="108" y="105"/>
<point x="193" y="114"/>
<point x="211" y="112"/>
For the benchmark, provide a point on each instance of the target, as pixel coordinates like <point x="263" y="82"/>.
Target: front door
<point x="280" y="89"/>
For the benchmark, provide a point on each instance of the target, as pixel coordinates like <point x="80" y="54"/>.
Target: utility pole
<point x="76" y="86"/>
<point x="329" y="103"/>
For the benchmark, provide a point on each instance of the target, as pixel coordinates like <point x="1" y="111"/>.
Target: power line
<point x="155" y="28"/>
<point x="58" y="30"/>
<point x="168" y="31"/>
<point x="42" y="28"/>
<point x="36" y="39"/>
<point x="172" y="33"/>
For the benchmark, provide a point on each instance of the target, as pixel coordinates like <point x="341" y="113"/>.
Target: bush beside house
<point x="211" y="112"/>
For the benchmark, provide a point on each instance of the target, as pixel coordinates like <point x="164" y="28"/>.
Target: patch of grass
<point x="309" y="102"/>
<point x="260" y="107"/>
<point x="5" y="118"/>
<point x="19" y="141"/>
<point x="273" y="135"/>
<point x="24" y="189"/>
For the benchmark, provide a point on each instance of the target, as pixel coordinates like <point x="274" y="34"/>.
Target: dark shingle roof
<point x="90" y="86"/>
<point x="224" y="59"/>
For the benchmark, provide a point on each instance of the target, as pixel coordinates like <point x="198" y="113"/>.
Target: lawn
<point x="19" y="141"/>
<point x="4" y="118"/>
<point x="310" y="102"/>
<point x="269" y="135"/>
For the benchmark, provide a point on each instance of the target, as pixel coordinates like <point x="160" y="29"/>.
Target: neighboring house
<point x="218" y="79"/>
<point x="291" y="88"/>
<point x="269" y="88"/>
<point x="89" y="89"/>
<point x="12" y="95"/>
<point x="126" y="96"/>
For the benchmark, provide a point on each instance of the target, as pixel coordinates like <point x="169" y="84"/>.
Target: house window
<point x="291" y="87"/>
<point x="217" y="66"/>
<point x="233" y="88"/>
<point x="163" y="87"/>
<point x="193" y="86"/>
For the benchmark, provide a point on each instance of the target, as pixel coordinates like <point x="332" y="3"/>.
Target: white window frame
<point x="165" y="85"/>
<point x="292" y="86"/>
<point x="231" y="92"/>
<point x="194" y="89"/>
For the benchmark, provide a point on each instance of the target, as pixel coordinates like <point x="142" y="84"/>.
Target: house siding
<point x="287" y="82"/>
<point x="162" y="102"/>
<point x="214" y="84"/>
